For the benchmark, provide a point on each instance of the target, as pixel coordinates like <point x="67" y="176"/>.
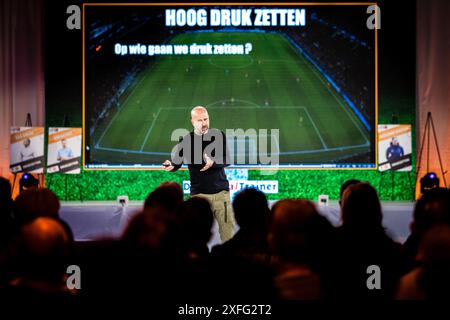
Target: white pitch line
<point x="325" y="150"/>
<point x="315" y="128"/>
<point x="107" y="128"/>
<point x="242" y="107"/>
<point x="280" y="153"/>
<point x="123" y="104"/>
<point x="253" y="105"/>
<point x="134" y="151"/>
<point x="338" y="100"/>
<point x="150" y="129"/>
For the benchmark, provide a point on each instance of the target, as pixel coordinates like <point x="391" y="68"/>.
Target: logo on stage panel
<point x="394" y="147"/>
<point x="27" y="149"/>
<point x="266" y="186"/>
<point x="64" y="150"/>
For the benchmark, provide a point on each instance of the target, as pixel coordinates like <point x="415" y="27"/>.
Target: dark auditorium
<point x="237" y="160"/>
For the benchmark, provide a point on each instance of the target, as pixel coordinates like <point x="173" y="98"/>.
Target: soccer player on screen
<point x="206" y="168"/>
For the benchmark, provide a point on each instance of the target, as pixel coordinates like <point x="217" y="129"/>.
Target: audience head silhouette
<point x="45" y="246"/>
<point x="167" y="195"/>
<point x="154" y="230"/>
<point x="196" y="220"/>
<point x="435" y="256"/>
<point x="8" y="227"/>
<point x="344" y="186"/>
<point x="431" y="209"/>
<point x="5" y="193"/>
<point x="361" y="208"/>
<point x="34" y="203"/>
<point x="250" y="209"/>
<point x="296" y="225"/>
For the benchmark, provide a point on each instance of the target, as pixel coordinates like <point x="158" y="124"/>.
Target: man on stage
<point x="205" y="152"/>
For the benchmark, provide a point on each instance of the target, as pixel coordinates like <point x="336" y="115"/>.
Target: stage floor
<point x="98" y="219"/>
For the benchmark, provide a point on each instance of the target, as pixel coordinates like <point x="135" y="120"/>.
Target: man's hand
<point x="209" y="163"/>
<point x="167" y="165"/>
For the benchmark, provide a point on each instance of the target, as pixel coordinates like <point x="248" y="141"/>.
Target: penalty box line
<point x="325" y="148"/>
<point x="123" y="105"/>
<point x="150" y="129"/>
<point x="338" y="101"/>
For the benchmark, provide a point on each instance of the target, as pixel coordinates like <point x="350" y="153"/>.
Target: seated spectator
<point x="167" y="195"/>
<point x="363" y="242"/>
<point x="295" y="233"/>
<point x="228" y="274"/>
<point x="344" y="186"/>
<point x="146" y="264"/>
<point x="196" y="218"/>
<point x="156" y="231"/>
<point x="432" y="209"/>
<point x="44" y="249"/>
<point x="8" y="228"/>
<point x="34" y="203"/>
<point x="251" y="213"/>
<point x="37" y="202"/>
<point x="431" y="279"/>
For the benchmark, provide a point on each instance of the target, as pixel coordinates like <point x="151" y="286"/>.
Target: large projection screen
<point x="292" y="85"/>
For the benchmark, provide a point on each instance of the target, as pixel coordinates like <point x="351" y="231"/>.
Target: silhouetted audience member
<point x="8" y="228"/>
<point x="363" y="242"/>
<point x="5" y="195"/>
<point x="296" y="238"/>
<point x="196" y="219"/>
<point x="431" y="279"/>
<point x="44" y="251"/>
<point x="168" y="195"/>
<point x="251" y="212"/>
<point x="34" y="203"/>
<point x="38" y="202"/>
<point x="145" y="265"/>
<point x="433" y="208"/>
<point x="344" y="186"/>
<point x="157" y="253"/>
<point x="156" y="231"/>
<point x="218" y="278"/>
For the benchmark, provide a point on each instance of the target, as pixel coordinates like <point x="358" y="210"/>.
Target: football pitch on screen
<point x="273" y="87"/>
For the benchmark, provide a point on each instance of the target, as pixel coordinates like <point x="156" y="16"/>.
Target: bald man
<point x="205" y="152"/>
<point x="44" y="249"/>
<point x="44" y="236"/>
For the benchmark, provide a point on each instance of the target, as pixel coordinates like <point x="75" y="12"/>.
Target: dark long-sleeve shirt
<point x="191" y="150"/>
<point x="394" y="152"/>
